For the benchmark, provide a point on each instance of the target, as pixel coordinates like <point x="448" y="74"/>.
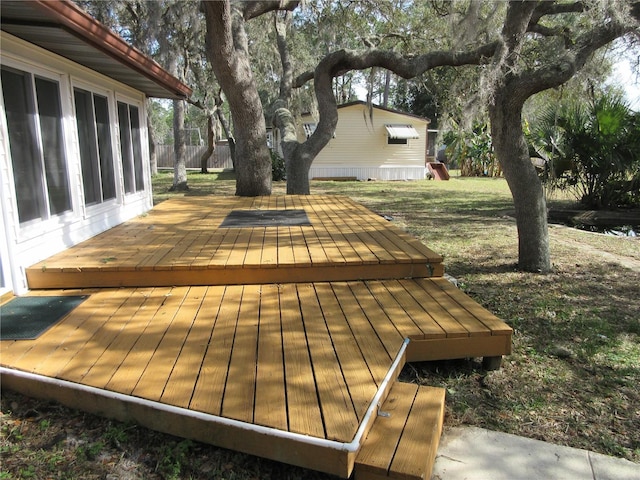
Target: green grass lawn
<point x="572" y="378"/>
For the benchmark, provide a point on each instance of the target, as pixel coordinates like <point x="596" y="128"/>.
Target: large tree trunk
<point x="297" y="158"/>
<point x="525" y="185"/>
<point x="228" y="53"/>
<point x="179" y="148"/>
<point x="227" y="133"/>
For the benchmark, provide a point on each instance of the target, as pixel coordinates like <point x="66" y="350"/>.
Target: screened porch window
<point x="131" y="147"/>
<point x="96" y="155"/>
<point x="34" y="122"/>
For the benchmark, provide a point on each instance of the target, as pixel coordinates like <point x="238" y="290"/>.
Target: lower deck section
<point x="304" y="364"/>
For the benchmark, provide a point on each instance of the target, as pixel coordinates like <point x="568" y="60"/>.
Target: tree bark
<point x="153" y="157"/>
<point x="228" y="53"/>
<point x="387" y="87"/>
<point x="179" y="148"/>
<point x="227" y="131"/>
<point x="296" y="158"/>
<point x="525" y="185"/>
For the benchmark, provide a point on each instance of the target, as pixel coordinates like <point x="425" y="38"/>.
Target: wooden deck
<point x="294" y="368"/>
<point x="180" y="242"/>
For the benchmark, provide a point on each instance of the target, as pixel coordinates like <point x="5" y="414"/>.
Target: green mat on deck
<point x="26" y="318"/>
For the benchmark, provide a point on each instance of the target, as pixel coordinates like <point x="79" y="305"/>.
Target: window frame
<point x="34" y="226"/>
<point x="113" y="145"/>
<point x="143" y="175"/>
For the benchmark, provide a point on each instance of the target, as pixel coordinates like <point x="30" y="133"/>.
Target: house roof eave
<point x="386" y="109"/>
<point x="378" y="107"/>
<point x="65" y="29"/>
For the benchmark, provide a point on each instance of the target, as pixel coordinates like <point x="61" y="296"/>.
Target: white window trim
<point x="34" y="228"/>
<point x="103" y="207"/>
<point x="146" y="168"/>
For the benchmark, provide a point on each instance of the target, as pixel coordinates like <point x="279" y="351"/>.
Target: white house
<point x="378" y="143"/>
<point x="74" y="157"/>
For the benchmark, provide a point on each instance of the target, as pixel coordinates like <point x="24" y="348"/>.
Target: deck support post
<point x="492" y="363"/>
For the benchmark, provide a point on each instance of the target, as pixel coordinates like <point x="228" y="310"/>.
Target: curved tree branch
<point x="303" y="78"/>
<point x="282" y="23"/>
<point x="343" y="61"/>
<point x="553" y="8"/>
<point x="529" y="82"/>
<point x="255" y="8"/>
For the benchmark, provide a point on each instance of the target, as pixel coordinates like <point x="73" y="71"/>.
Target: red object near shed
<point x="438" y="170"/>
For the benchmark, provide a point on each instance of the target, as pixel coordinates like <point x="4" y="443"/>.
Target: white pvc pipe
<point x="352" y="446"/>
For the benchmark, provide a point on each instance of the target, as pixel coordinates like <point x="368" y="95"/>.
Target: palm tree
<point x="592" y="149"/>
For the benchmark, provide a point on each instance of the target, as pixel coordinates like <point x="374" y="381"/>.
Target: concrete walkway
<point x="470" y="453"/>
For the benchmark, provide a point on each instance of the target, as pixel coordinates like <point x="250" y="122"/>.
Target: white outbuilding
<point x="371" y="142"/>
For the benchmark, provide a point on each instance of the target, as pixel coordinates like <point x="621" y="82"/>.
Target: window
<point x="400" y="134"/>
<point x="96" y="155"/>
<point x="131" y="147"/>
<point x="34" y="122"/>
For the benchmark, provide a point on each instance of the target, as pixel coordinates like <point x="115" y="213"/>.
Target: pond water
<point x="620" y="231"/>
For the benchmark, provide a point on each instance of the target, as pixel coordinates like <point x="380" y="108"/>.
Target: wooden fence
<point x="221" y="157"/>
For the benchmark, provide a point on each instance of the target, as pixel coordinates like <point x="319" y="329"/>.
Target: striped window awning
<point x="401" y="131"/>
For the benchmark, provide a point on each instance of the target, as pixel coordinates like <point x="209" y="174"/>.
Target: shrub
<point x="592" y="149"/>
<point x="279" y="171"/>
<point x="473" y="151"/>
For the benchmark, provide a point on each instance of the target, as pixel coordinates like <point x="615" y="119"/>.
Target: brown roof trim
<point x="391" y="110"/>
<point x="83" y="25"/>
<point x="399" y="112"/>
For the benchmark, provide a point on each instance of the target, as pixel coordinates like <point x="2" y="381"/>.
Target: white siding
<point x="28" y="244"/>
<point x="359" y="148"/>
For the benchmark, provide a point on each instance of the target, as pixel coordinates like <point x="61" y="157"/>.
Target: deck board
<point x="78" y="354"/>
<point x="360" y="381"/>
<point x="337" y="408"/>
<point x="211" y="383"/>
<point x="270" y="378"/>
<point x="134" y="324"/>
<point x="136" y="361"/>
<point x="152" y="382"/>
<point x="179" y="387"/>
<point x="241" y="378"/>
<point x="372" y="348"/>
<point x="304" y="414"/>
<point x="435" y="310"/>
